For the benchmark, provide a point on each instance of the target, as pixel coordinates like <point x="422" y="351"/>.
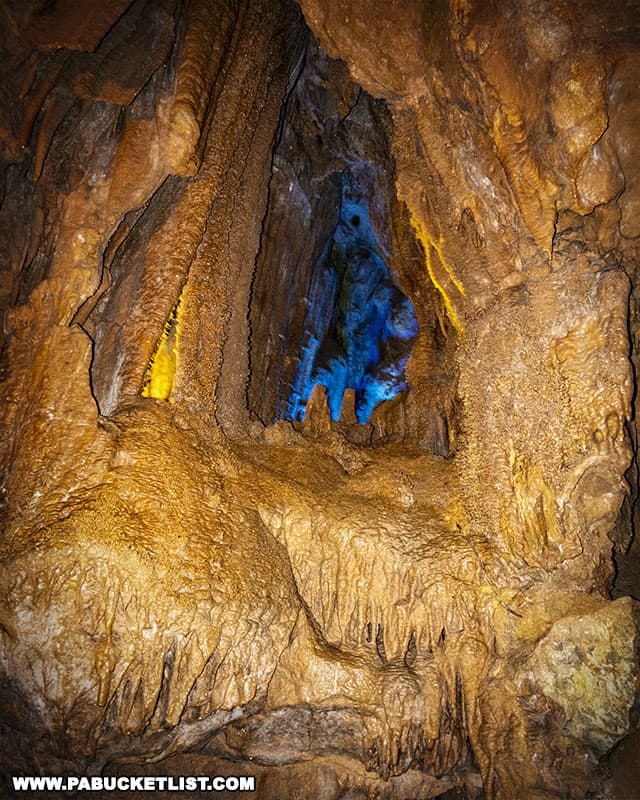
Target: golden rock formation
<point x="439" y="601"/>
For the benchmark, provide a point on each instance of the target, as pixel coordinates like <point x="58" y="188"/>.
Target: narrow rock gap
<point x="328" y="305"/>
<point x="295" y="77"/>
<point x="626" y="542"/>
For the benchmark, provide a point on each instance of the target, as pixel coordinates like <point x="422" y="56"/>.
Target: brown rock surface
<point x="192" y="583"/>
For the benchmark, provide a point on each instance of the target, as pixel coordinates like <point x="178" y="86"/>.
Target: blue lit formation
<point x="359" y="325"/>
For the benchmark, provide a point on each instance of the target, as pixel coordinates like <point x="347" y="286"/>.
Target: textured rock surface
<point x="415" y="607"/>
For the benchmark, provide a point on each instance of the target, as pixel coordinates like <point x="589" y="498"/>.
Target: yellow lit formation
<point x="428" y="243"/>
<point x="161" y="373"/>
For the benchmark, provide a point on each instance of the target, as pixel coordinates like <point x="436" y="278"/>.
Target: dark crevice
<point x="293" y="81"/>
<point x="380" y="648"/>
<point x="626" y="549"/>
<point x="111" y="309"/>
<point x="327" y="306"/>
<point x="412" y="651"/>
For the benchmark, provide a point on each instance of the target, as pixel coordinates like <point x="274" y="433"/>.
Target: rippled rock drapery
<point x="401" y="609"/>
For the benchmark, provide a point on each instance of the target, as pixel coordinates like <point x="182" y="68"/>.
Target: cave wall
<point x="183" y="583"/>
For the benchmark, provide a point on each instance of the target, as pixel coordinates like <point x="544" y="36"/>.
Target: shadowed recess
<point x="359" y="326"/>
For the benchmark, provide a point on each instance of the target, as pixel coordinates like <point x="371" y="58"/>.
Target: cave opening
<point x="359" y="326"/>
<point x="331" y="300"/>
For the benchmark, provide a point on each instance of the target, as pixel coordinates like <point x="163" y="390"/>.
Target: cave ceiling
<point x="318" y="395"/>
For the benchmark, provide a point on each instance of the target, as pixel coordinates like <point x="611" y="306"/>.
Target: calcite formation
<point x="210" y="564"/>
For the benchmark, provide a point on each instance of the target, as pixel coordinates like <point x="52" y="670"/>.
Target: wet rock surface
<point x="190" y="583"/>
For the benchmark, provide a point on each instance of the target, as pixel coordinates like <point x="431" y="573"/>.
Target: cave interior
<point x="318" y="395"/>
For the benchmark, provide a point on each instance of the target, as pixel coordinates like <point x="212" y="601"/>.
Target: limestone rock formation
<point x="318" y="395"/>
